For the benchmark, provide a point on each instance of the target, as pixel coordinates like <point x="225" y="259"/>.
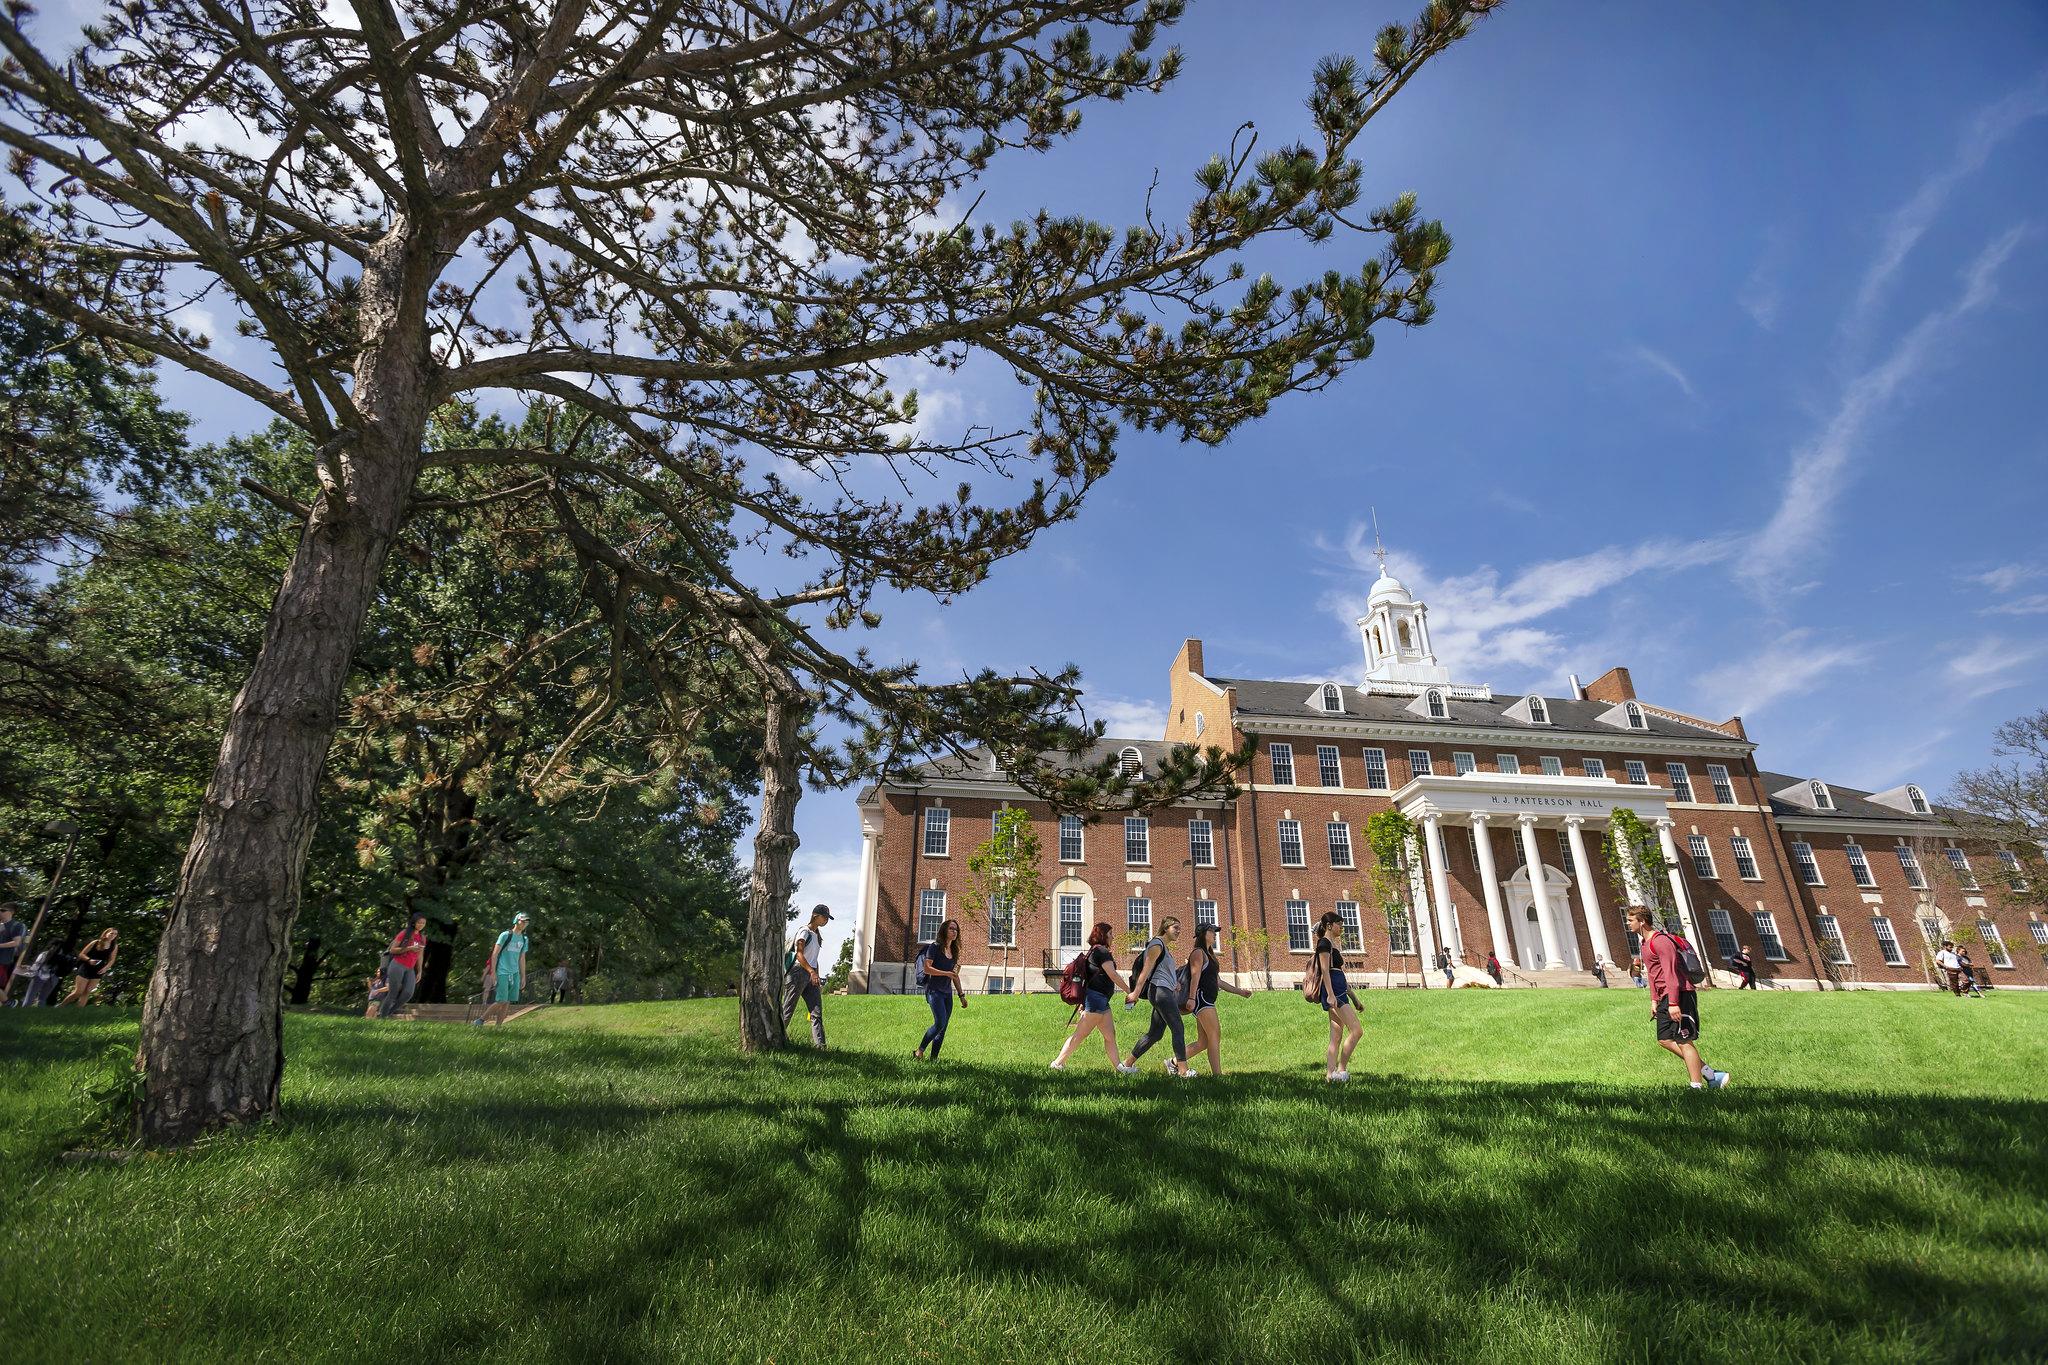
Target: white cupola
<point x="1395" y="632"/>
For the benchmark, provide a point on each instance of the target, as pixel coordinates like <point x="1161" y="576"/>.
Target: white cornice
<point x="1007" y="791"/>
<point x="1849" y="824"/>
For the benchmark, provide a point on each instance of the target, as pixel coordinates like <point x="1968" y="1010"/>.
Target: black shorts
<point x="1685" y="1028"/>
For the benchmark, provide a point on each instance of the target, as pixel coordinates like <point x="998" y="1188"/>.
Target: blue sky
<point x="1736" y="380"/>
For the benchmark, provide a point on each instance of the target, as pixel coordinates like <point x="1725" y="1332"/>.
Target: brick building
<point x="1510" y="796"/>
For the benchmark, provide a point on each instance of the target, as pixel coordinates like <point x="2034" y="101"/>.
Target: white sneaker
<point x="1126" y="1069"/>
<point x="1057" y="1066"/>
<point x="1718" y="1079"/>
<point x="1343" y="1075"/>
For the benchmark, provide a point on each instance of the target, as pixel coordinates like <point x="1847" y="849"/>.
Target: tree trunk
<point x="309" y="966"/>
<point x="768" y="890"/>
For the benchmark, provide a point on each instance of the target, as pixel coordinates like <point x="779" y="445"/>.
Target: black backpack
<point x="1689" y="964"/>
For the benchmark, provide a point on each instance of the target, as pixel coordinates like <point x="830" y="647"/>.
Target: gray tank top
<point x="1165" y="976"/>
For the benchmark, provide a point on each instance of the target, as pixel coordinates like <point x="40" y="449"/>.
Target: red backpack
<point x="1074" y="980"/>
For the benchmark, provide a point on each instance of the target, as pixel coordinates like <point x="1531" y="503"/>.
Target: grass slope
<point x="1512" y="1176"/>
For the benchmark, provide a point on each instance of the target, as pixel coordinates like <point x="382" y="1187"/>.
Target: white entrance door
<point x="1521" y="906"/>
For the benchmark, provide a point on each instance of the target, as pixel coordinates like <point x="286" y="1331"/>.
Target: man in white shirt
<point x="804" y="981"/>
<point x="1947" y="960"/>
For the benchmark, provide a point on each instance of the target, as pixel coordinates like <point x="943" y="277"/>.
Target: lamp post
<point x="69" y="832"/>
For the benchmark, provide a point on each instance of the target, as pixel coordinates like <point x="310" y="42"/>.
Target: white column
<point x="1439" y="881"/>
<point x="1425" y="941"/>
<point x="1539" y="891"/>
<point x="864" y="922"/>
<point x="1589" y="899"/>
<point x="1489" y="885"/>
<point x="1679" y="896"/>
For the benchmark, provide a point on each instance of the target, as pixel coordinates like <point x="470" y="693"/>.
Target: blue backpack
<point x="923" y="955"/>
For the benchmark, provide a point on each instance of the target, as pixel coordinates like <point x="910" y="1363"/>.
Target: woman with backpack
<point x="1099" y="980"/>
<point x="1326" y="985"/>
<point x="1205" y="981"/>
<point x="1157" y="978"/>
<point x="939" y="966"/>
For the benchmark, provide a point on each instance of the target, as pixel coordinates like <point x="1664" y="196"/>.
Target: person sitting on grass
<point x="95" y="960"/>
<point x="1159" y="980"/>
<point x="1094" y="1013"/>
<point x="1326" y="986"/>
<point x="1674" y="1005"/>
<point x="505" y="973"/>
<point x="941" y="984"/>
<point x="1205" y="981"/>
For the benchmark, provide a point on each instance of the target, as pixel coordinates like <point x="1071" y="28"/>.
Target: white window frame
<point x="1329" y="765"/>
<point x="1065" y="901"/>
<point x="1138" y="838"/>
<point x="1539" y="711"/>
<point x="1723" y="926"/>
<point x="1376" y="770"/>
<point x="1637" y="770"/>
<point x="2015" y="876"/>
<point x="1680" y="779"/>
<point x="1887" y="941"/>
<point x="1552" y="765"/>
<point x="1291" y="829"/>
<point x="1746" y="866"/>
<point x="1333" y="700"/>
<point x="1702" y="856"/>
<point x="1202" y="849"/>
<point x="1833" y="946"/>
<point x="1353" y="940"/>
<point x="1075" y="826"/>
<point x="1205" y="913"/>
<point x="1129" y="763"/>
<point x="1338" y="833"/>
<point x="1281" y="756"/>
<point x="1508" y="765"/>
<point x="943" y="828"/>
<point x="1300" y="938"/>
<point x="1635" y="716"/>
<point x="1593" y="767"/>
<point x="1917" y="799"/>
<point x="1823" y="799"/>
<point x="1859" y="865"/>
<point x="1959" y="863"/>
<point x="1724" y="787"/>
<point x="1138" y="915"/>
<point x="1433" y="703"/>
<point x="2040" y="932"/>
<point x="1002" y="914"/>
<point x="1201" y="724"/>
<point x="1420" y="764"/>
<point x="928" y="915"/>
<point x="1463" y="763"/>
<point x="1994" y="944"/>
<point x="1400" y="935"/>
<point x="1767" y="936"/>
<point x="1808" y="865"/>
<point x="1909" y="863"/>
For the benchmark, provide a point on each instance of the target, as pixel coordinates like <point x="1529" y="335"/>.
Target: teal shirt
<point x="511" y="956"/>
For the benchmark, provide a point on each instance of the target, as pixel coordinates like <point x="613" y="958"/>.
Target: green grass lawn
<point x="1509" y="1176"/>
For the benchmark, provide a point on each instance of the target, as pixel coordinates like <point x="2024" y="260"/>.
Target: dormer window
<point x="1822" y="799"/>
<point x="1918" y="798"/>
<point x="1539" y="714"/>
<point x="1127" y="762"/>
<point x="1635" y="717"/>
<point x="1434" y="700"/>
<point x="1333" y="700"/>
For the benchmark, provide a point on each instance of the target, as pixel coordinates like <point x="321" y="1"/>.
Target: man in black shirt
<point x="1744" y="967"/>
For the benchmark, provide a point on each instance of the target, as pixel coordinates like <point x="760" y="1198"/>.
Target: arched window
<point x="1401" y="629"/>
<point x="1127" y="762"/>
<point x="1435" y="701"/>
<point x="1332" y="699"/>
<point x="1538" y="712"/>
<point x="1821" y="799"/>
<point x="1919" y="800"/>
<point x="1379" y="644"/>
<point x="1635" y="716"/>
<point x="1201" y="724"/>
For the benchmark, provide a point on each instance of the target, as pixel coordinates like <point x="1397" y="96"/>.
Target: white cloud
<point x="830" y="875"/>
<point x="1662" y="364"/>
<point x="1789" y="666"/>
<point x="2006" y="577"/>
<point x="2033" y="604"/>
<point x="1992" y="666"/>
<point x="1128" y="719"/>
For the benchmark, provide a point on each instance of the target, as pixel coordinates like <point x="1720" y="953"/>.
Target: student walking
<point x="1158" y="979"/>
<point x="1205" y="980"/>
<point x="940" y="963"/>
<point x="12" y="932"/>
<point x="558" y="983"/>
<point x="505" y="973"/>
<point x="1744" y="967"/>
<point x="1969" y="971"/>
<point x="1327" y="986"/>
<point x="1100" y="980"/>
<point x="1674" y="1004"/>
<point x="402" y="971"/>
<point x="95" y="960"/>
<point x="1493" y="967"/>
<point x="1951" y="966"/>
<point x="1443" y="964"/>
<point x="804" y="982"/>
<point x="1600" y="967"/>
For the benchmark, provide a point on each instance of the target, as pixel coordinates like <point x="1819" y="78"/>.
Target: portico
<point x="1529" y="910"/>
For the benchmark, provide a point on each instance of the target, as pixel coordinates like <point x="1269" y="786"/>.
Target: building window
<point x="1961" y="864"/>
<point x="1724" y="790"/>
<point x="2010" y="861"/>
<point x="931" y="913"/>
<point x="1333" y="700"/>
<point x="1918" y="801"/>
<point x="1822" y="798"/>
<point x="1553" y="766"/>
<point x="1859" y="866"/>
<point x="1138" y="914"/>
<point x="1418" y="763"/>
<point x="999" y="841"/>
<point x="1930" y="929"/>
<point x="1831" y="940"/>
<point x="1724" y="932"/>
<point x="1635" y="716"/>
<point x="1910" y="865"/>
<point x="1638" y="773"/>
<point x="1354" y="939"/>
<point x="1283" y="765"/>
<point x="1463" y="763"/>
<point x="1745" y="859"/>
<point x="1564" y="855"/>
<point x="1809" y="870"/>
<point x="1592" y="767"/>
<point x="1340" y="844"/>
<point x="1994" y="943"/>
<point x="1072" y="832"/>
<point x="1137" y="839"/>
<point x="1071" y="935"/>
<point x="1681" y="782"/>
<point x="1205" y="913"/>
<point x="999" y="985"/>
<point x="1202" y="843"/>
<point x="1375" y="770"/>
<point x="1328" y="769"/>
<point x="1298" y="938"/>
<point x="938" y="832"/>
<point x="2039" y="931"/>
<point x="1767" y="935"/>
<point x="1400" y="938"/>
<point x="1128" y="763"/>
<point x="1508" y="763"/>
<point x="1887" y="941"/>
<point x="1201" y="724"/>
<point x="1702" y="856"/>
<point x="1002" y="923"/>
<point x="1435" y="702"/>
<point x="1290" y="844"/>
<point x="1538" y="712"/>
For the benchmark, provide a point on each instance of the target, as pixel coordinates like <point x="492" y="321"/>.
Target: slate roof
<point x="950" y="769"/>
<point x="1296" y="700"/>
<point x="1850" y="803"/>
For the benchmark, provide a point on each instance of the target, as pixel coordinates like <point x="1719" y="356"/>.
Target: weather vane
<point x="1378" y="549"/>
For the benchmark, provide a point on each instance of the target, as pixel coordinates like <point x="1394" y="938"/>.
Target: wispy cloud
<point x="1127" y="718"/>
<point x="1788" y="666"/>
<point x="2032" y="604"/>
<point x="1655" y="360"/>
<point x="2006" y="577"/>
<point x="1763" y="293"/>
<point x="1992" y="666"/>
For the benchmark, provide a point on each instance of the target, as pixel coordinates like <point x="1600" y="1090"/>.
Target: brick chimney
<point x="1613" y="687"/>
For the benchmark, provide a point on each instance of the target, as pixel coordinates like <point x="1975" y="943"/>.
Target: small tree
<point x="1256" y="944"/>
<point x="1003" y="877"/>
<point x="842" y="968"/>
<point x="2006" y="803"/>
<point x="1388" y="834"/>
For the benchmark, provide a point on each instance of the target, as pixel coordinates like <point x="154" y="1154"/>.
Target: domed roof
<point x="1388" y="589"/>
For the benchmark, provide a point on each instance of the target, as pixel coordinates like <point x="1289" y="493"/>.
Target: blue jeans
<point x="1094" y="1002"/>
<point x="942" y="1015"/>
